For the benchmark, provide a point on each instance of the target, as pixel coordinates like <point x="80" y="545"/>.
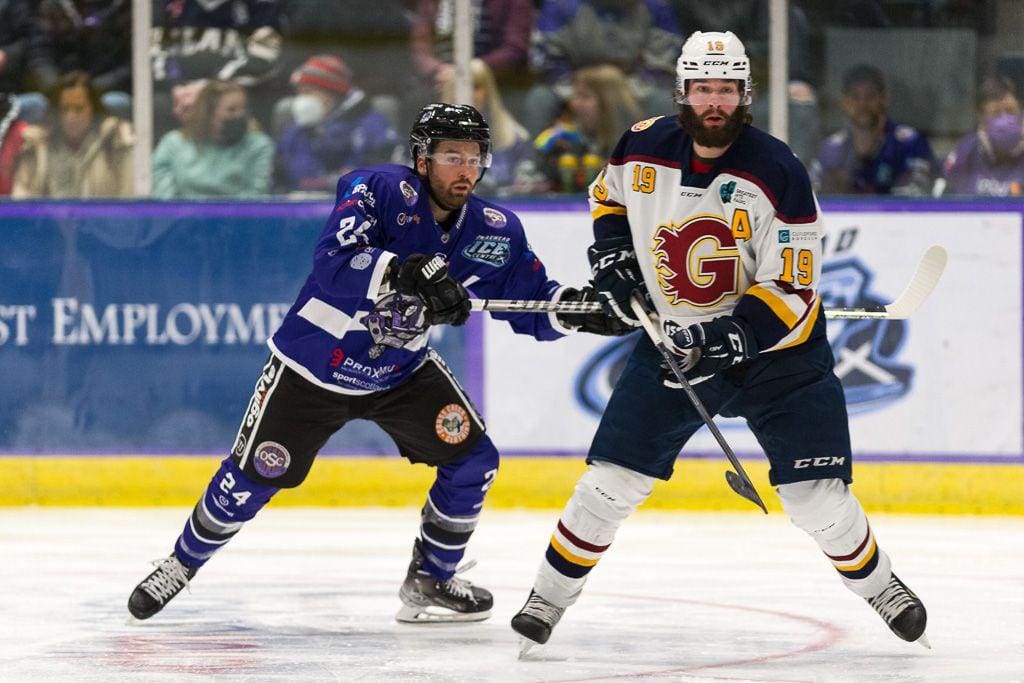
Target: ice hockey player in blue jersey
<point x="400" y="249"/>
<point x="715" y="223"/>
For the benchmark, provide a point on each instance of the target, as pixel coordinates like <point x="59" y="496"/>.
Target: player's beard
<point x="720" y="137"/>
<point x="444" y="196"/>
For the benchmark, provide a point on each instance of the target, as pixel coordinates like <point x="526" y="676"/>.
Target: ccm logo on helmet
<point x="824" y="461"/>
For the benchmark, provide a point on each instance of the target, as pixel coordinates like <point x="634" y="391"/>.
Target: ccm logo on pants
<point x="825" y="461"/>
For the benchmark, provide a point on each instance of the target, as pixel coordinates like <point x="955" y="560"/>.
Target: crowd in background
<point x="267" y="97"/>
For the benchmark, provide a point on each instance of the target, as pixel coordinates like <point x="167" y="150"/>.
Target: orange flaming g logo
<point x="697" y="262"/>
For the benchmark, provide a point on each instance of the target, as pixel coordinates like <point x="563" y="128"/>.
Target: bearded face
<point x="713" y="127"/>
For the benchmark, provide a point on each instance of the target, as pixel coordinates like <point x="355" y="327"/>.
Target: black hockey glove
<point x="720" y="343"/>
<point x="616" y="274"/>
<point x="593" y="323"/>
<point x="427" y="277"/>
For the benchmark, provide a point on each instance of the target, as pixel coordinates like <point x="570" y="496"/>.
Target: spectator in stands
<point x="334" y="129"/>
<point x="219" y="152"/>
<point x="640" y="37"/>
<point x="236" y="41"/>
<point x="13" y="152"/>
<point x="15" y="20"/>
<point x="872" y="154"/>
<point x="513" y="168"/>
<point x="990" y="161"/>
<point x="501" y="38"/>
<point x="94" y="36"/>
<point x="575" y="147"/>
<point x="85" y="153"/>
<point x="750" y="19"/>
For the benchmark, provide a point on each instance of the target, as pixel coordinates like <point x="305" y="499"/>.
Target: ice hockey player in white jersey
<point x="714" y="221"/>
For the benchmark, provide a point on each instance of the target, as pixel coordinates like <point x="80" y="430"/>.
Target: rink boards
<point x="130" y="333"/>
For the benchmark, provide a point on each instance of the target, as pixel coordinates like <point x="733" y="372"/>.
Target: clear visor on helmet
<point x="459" y="159"/>
<point x="702" y="93"/>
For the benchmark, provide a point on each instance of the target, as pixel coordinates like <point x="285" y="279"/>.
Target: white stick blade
<point x="929" y="270"/>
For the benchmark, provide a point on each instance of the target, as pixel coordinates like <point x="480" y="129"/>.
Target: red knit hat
<point x="324" y="71"/>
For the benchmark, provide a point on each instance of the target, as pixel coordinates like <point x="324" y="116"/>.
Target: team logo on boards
<point x="452" y="424"/>
<point x="271" y="459"/>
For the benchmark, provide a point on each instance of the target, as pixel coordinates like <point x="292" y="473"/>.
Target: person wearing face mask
<point x="218" y="152"/>
<point x="334" y="129"/>
<point x="990" y="161"/>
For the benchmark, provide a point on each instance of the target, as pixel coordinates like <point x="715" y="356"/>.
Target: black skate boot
<point x="535" y="621"/>
<point x="166" y="581"/>
<point x="902" y="611"/>
<point x="426" y="598"/>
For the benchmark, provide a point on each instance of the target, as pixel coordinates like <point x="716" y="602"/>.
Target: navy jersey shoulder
<point x="771" y="165"/>
<point x="660" y="141"/>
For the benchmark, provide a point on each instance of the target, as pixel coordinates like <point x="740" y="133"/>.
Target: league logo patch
<point x="409" y="193"/>
<point x="642" y="125"/>
<point x="495" y="219"/>
<point x="452" y="424"/>
<point x="494" y="250"/>
<point x="360" y="261"/>
<point x="726" y="190"/>
<point x="783" y="236"/>
<point x="271" y="459"/>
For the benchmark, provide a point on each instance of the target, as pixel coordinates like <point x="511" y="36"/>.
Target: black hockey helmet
<point x="440" y="121"/>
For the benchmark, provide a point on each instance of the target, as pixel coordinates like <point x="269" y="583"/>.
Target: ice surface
<point x="311" y="595"/>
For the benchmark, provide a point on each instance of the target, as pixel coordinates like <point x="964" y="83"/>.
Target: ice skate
<point x="902" y="611"/>
<point x="535" y="621"/>
<point x="157" y="589"/>
<point x="426" y="598"/>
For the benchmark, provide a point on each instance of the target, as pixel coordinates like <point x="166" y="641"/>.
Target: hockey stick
<point x="738" y="480"/>
<point x="929" y="270"/>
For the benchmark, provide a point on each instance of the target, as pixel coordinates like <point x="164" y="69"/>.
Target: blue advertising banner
<point x="141" y="327"/>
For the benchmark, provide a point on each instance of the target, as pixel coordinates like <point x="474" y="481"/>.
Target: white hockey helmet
<point x="712" y="54"/>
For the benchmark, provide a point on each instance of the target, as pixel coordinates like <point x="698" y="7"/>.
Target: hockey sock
<point x="452" y="509"/>
<point x="604" y="496"/>
<point x="230" y="500"/>
<point x="834" y="518"/>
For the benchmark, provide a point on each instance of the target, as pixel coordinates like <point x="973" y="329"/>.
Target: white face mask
<point x="307" y="110"/>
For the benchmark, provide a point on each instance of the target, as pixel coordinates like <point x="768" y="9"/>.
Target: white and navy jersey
<point x="743" y="238"/>
<point x="382" y="215"/>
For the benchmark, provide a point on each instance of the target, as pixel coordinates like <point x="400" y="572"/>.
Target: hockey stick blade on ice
<point x="738" y="480"/>
<point x="929" y="270"/>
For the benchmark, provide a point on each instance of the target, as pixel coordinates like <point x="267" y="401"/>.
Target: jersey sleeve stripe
<point x="600" y="210"/>
<point x="777" y="305"/>
<point x="805" y="331"/>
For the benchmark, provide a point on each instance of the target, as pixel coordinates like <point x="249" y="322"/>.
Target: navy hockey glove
<point x="616" y="274"/>
<point x="427" y="277"/>
<point x="721" y="343"/>
<point x="593" y="323"/>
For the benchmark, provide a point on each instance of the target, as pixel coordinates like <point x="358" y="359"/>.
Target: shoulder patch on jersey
<point x="409" y="193"/>
<point x="905" y="133"/>
<point x="494" y="218"/>
<point x="492" y="250"/>
<point x="646" y="123"/>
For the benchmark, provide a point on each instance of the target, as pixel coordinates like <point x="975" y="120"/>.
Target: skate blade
<point x="525" y="645"/>
<point x="411" y="614"/>
<point x="923" y="640"/>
